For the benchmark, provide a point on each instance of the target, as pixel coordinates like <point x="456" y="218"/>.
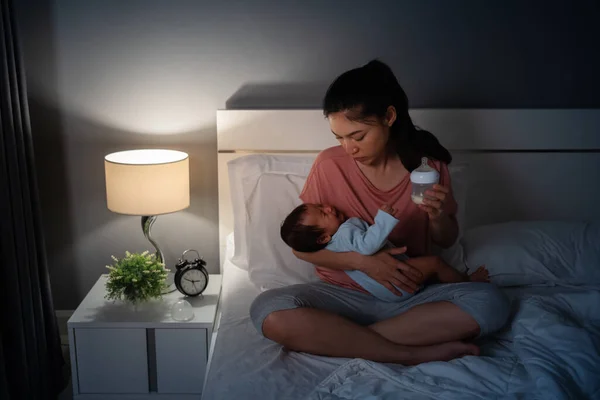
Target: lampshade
<point x="147" y="182"/>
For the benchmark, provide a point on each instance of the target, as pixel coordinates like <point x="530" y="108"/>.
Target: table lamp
<point x="147" y="183"/>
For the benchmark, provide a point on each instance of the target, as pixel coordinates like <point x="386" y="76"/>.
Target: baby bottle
<point x="422" y="179"/>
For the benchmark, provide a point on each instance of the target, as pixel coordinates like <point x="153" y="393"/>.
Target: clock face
<point x="193" y="282"/>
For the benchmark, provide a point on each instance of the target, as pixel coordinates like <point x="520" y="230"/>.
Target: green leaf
<point x="127" y="279"/>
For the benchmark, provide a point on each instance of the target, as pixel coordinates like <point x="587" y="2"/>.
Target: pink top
<point x="335" y="179"/>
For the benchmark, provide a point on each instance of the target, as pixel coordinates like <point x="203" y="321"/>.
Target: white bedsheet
<point x="245" y="365"/>
<point x="540" y="355"/>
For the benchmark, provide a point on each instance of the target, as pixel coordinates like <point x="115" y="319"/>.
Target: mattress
<point x="245" y="365"/>
<point x="550" y="350"/>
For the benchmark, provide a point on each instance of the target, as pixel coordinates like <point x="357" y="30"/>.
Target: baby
<point x="313" y="227"/>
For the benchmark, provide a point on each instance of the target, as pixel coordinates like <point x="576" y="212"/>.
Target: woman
<point x="368" y="113"/>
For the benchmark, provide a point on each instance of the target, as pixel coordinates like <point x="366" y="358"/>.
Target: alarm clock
<point x="191" y="277"/>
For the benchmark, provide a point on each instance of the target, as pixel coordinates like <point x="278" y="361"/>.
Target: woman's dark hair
<point x="367" y="92"/>
<point x="304" y="238"/>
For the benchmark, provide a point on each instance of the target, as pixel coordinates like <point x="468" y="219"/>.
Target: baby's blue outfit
<point x="356" y="235"/>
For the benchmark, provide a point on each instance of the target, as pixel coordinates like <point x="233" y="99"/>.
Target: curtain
<point x="31" y="362"/>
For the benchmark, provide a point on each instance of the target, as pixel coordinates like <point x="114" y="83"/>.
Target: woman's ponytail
<point x="369" y="91"/>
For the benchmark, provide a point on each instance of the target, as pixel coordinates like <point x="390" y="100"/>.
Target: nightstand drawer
<point x="181" y="356"/>
<point x="112" y="360"/>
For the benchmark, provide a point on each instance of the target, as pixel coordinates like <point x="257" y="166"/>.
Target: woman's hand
<point x="433" y="201"/>
<point x="390" y="272"/>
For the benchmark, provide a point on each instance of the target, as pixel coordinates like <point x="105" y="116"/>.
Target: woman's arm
<point x="443" y="226"/>
<point x="444" y="230"/>
<point x="382" y="266"/>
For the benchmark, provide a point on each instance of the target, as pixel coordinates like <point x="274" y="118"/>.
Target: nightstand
<point x="121" y="353"/>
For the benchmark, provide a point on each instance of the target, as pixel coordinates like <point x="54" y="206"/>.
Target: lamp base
<point x="169" y="284"/>
<point x="147" y="222"/>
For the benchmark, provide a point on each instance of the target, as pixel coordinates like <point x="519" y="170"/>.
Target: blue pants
<point x="483" y="301"/>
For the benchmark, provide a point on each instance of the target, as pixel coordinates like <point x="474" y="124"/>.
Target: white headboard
<point x="523" y="164"/>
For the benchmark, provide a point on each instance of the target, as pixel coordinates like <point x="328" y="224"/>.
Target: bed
<point x="540" y="242"/>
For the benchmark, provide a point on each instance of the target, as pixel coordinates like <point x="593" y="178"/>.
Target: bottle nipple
<point x="424" y="174"/>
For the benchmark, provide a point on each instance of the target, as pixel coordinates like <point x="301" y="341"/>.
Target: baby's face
<point x="324" y="216"/>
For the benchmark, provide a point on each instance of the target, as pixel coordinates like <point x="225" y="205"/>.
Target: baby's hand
<point x="481" y="275"/>
<point x="388" y="209"/>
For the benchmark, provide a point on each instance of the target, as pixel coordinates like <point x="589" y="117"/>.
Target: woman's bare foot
<point x="480" y="275"/>
<point x="443" y="352"/>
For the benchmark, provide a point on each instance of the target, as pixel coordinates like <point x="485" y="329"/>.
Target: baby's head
<point x="310" y="227"/>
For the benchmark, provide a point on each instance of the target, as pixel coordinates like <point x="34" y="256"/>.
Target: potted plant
<point x="135" y="278"/>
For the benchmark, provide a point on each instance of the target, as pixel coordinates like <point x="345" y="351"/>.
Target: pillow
<point x="243" y="172"/>
<point x="271" y="262"/>
<point x="536" y="252"/>
<point x="264" y="190"/>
